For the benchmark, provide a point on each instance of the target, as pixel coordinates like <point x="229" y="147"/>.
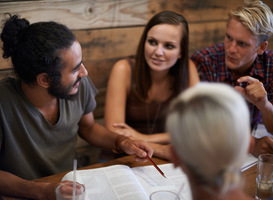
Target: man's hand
<point x="140" y="148"/>
<point x="254" y="92"/>
<point x="48" y="192"/>
<point x="263" y="145"/>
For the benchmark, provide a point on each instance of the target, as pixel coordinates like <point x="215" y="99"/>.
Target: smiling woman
<point x="141" y="87"/>
<point x="162" y="46"/>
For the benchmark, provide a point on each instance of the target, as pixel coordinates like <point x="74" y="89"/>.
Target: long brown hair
<point x="180" y="71"/>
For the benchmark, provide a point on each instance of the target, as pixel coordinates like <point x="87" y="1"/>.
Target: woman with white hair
<point x="209" y="126"/>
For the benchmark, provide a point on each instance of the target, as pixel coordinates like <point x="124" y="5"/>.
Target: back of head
<point x="35" y="48"/>
<point x="210" y="131"/>
<point x="257" y="17"/>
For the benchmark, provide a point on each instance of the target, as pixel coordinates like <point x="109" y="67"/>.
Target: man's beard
<point x="58" y="90"/>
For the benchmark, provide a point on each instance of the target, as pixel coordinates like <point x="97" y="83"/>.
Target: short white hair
<point x="209" y="125"/>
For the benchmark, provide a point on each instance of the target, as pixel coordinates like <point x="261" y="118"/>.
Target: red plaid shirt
<point x="210" y="63"/>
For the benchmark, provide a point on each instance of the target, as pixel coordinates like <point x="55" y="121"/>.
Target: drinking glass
<point x="163" y="195"/>
<point x="65" y="191"/>
<point x="264" y="180"/>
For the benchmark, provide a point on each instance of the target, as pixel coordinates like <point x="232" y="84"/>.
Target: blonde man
<point x="244" y="62"/>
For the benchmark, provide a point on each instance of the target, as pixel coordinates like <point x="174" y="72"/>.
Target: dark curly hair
<point x="35" y="48"/>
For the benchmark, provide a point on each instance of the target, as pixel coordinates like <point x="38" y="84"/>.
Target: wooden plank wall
<point x="109" y="30"/>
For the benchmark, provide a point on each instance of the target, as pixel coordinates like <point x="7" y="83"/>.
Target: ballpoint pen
<point x="155" y="166"/>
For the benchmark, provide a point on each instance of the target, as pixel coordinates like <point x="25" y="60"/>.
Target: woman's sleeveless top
<point x="147" y="118"/>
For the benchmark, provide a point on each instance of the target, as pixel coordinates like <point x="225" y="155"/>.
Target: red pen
<point x="155" y="166"/>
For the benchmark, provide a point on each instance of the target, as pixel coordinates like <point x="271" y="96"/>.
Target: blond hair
<point x="255" y="16"/>
<point x="209" y="126"/>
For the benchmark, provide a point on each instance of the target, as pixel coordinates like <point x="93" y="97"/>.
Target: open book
<point x="120" y="182"/>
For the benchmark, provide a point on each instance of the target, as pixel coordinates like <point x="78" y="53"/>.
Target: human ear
<point x="43" y="80"/>
<point x="262" y="47"/>
<point x="174" y="157"/>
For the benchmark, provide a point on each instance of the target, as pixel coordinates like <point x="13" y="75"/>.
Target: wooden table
<point x="248" y="176"/>
<point x="249" y="180"/>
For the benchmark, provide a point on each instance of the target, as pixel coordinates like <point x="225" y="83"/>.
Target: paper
<point x="249" y="162"/>
<point x="120" y="182"/>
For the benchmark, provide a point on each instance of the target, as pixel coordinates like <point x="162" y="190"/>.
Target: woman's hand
<point x="126" y="130"/>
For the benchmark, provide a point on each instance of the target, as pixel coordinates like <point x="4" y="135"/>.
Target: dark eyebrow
<point x="77" y="67"/>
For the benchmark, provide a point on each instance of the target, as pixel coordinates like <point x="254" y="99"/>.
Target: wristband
<point x="118" y="140"/>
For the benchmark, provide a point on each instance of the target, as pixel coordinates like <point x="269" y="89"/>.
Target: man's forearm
<point x="267" y="115"/>
<point x="99" y="136"/>
<point x="11" y="185"/>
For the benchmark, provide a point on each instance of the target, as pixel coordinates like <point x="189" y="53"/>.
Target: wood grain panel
<point x="109" y="43"/>
<point x="99" y="71"/>
<point x="204" y="34"/>
<point x="4" y="63"/>
<point x="87" y="14"/>
<point x="81" y="14"/>
<point x="196" y="11"/>
<point x="211" y="10"/>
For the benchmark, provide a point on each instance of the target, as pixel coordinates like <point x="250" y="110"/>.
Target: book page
<point x="115" y="182"/>
<point x="151" y="180"/>
<point x="249" y="162"/>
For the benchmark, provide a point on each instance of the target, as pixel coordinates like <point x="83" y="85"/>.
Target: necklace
<point x="149" y="127"/>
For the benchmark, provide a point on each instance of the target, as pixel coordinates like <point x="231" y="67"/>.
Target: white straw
<point x="74" y="178"/>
